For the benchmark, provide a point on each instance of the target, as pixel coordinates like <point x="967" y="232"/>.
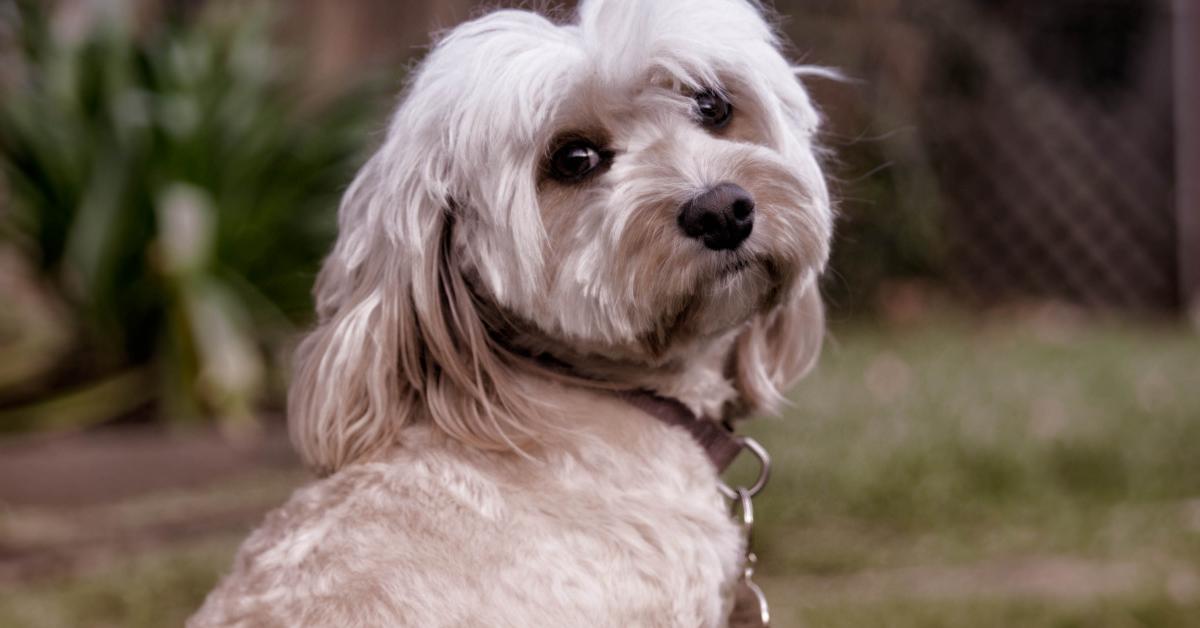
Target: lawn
<point x="989" y="474"/>
<point x="953" y="472"/>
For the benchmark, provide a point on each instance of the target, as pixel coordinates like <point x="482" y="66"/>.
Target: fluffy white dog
<point x="559" y="214"/>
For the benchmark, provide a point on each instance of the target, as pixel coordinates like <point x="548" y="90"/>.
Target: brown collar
<point x="716" y="438"/>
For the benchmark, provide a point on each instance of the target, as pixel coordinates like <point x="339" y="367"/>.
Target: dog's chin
<point x="734" y="292"/>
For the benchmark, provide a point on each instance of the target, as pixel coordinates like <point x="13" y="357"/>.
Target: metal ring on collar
<point x="764" y="470"/>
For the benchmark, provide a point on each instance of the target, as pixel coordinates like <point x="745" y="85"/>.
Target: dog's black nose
<point x="722" y="217"/>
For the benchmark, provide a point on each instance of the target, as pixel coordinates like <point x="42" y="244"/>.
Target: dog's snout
<point x="722" y="217"/>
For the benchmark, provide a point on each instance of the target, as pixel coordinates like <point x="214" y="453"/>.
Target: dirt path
<point x="71" y="501"/>
<point x="109" y="465"/>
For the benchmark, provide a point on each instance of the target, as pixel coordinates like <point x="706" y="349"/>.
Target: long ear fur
<point x="398" y="337"/>
<point x="777" y="349"/>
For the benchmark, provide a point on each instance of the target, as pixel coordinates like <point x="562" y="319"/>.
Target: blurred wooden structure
<point x="343" y="38"/>
<point x="1187" y="120"/>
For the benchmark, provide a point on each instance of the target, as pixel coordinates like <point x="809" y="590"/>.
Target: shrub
<point x="176" y="196"/>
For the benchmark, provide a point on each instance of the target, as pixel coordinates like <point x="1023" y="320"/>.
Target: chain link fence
<point x="1036" y="138"/>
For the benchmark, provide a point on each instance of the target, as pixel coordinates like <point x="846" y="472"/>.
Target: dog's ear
<point x="777" y="349"/>
<point x="351" y="388"/>
<point x="398" y="338"/>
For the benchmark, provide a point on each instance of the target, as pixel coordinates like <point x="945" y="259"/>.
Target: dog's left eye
<point x="714" y="109"/>
<point x="575" y="160"/>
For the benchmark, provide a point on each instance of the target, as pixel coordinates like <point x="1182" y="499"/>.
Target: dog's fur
<point x="468" y="483"/>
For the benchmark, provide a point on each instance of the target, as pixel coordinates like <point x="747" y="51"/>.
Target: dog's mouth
<point x="756" y="276"/>
<point x="734" y="266"/>
<point x="743" y="267"/>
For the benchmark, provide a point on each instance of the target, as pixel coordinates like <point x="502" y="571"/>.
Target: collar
<point x="716" y="438"/>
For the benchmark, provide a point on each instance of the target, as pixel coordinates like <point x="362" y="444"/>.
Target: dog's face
<point x="626" y="186"/>
<point x="667" y="151"/>
<point x="672" y="211"/>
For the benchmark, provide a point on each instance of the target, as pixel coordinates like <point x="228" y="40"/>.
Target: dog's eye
<point x="714" y="110"/>
<point x="575" y="160"/>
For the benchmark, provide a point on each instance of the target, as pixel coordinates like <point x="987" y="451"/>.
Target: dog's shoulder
<point x="447" y="535"/>
<point x="365" y="546"/>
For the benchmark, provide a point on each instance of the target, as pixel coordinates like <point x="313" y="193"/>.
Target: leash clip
<point x="764" y="469"/>
<point x="750" y="604"/>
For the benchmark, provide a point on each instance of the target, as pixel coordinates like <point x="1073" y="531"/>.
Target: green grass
<point x="928" y="475"/>
<point x="951" y="473"/>
<point x="1127" y="612"/>
<point x="153" y="589"/>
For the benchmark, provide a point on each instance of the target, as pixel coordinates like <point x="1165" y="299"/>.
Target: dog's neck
<point x="699" y="381"/>
<point x="693" y="374"/>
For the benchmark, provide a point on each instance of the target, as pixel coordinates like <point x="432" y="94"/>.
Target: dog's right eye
<point x="575" y="160"/>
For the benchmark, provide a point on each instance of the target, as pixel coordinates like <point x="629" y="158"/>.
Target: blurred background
<point x="1004" y="429"/>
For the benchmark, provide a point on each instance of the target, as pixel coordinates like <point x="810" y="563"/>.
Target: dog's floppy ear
<point x="398" y="337"/>
<point x="352" y="388"/>
<point x="777" y="349"/>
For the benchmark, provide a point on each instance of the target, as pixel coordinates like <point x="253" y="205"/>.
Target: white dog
<point x="560" y="214"/>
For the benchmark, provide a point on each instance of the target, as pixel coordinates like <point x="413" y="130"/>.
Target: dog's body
<point x="628" y="202"/>
<point x="617" y="525"/>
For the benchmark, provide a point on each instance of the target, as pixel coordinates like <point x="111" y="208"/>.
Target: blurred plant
<point x="176" y="195"/>
<point x="888" y="237"/>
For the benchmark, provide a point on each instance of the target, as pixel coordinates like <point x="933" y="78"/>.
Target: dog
<point x="564" y="218"/>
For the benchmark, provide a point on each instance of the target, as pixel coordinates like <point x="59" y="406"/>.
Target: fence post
<point x="1187" y="152"/>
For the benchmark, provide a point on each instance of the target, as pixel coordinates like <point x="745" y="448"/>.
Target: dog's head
<point x="624" y="188"/>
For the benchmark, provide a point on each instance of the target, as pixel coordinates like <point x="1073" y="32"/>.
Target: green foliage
<point x="175" y="194"/>
<point x="887" y="230"/>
